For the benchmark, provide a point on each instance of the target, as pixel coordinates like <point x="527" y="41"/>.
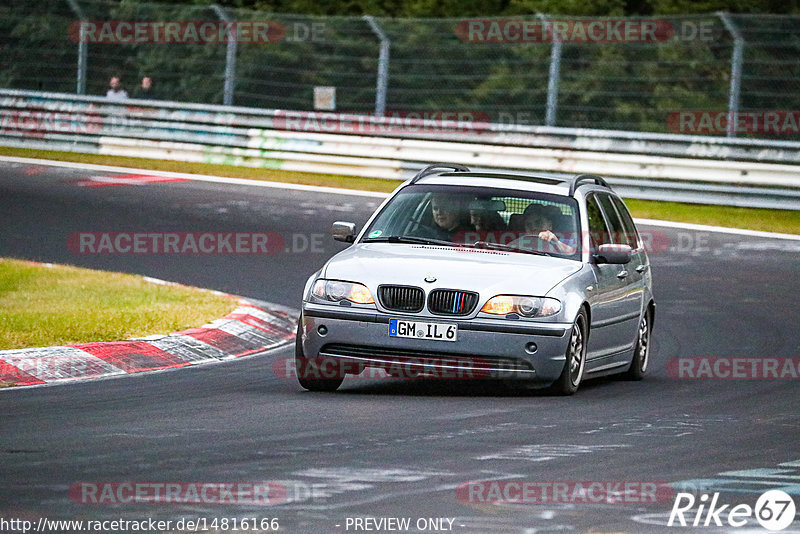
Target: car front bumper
<point x="486" y="348"/>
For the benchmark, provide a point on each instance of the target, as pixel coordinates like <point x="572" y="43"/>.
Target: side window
<point x="618" y="234"/>
<point x="598" y="232"/>
<point x="631" y="236"/>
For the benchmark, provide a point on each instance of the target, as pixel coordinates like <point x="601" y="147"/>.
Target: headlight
<point x="337" y="291"/>
<point x="522" y="305"/>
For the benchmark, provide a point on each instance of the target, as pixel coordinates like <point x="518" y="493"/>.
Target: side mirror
<point x="344" y="231"/>
<point x="613" y="254"/>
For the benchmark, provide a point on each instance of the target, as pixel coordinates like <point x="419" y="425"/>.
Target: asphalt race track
<point x="394" y="448"/>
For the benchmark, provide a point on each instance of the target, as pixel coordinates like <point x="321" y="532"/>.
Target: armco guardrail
<point x="757" y="173"/>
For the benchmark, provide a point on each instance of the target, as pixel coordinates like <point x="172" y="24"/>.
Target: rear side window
<point x="618" y="233"/>
<point x="598" y="231"/>
<point x="631" y="237"/>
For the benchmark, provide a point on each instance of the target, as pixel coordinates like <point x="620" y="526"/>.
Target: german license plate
<point x="423" y="330"/>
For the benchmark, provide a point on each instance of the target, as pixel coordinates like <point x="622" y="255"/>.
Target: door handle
<point x="640" y="269"/>
<point x="622" y="274"/>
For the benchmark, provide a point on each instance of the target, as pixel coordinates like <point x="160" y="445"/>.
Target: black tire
<point x="575" y="364"/>
<point x="641" y="352"/>
<point x="311" y="384"/>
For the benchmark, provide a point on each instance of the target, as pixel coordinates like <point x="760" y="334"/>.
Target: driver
<point x="539" y="221"/>
<point x="448" y="217"/>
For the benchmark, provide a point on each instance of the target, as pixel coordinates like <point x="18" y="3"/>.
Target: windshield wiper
<point x="501" y="246"/>
<point x="430" y="241"/>
<point x="414" y="240"/>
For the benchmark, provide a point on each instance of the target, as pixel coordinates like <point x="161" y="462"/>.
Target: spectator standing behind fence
<point x="115" y="89"/>
<point x="145" y="90"/>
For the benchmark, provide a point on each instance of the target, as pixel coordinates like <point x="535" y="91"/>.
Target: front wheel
<point x="302" y="366"/>
<point x="572" y="375"/>
<point x="641" y="354"/>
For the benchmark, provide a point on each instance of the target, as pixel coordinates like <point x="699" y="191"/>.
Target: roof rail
<point x="432" y="169"/>
<point x="578" y="180"/>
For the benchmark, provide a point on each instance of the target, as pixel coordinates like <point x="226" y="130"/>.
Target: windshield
<point x="518" y="221"/>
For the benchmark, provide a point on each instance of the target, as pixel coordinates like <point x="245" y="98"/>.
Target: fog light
<point x="322" y="330"/>
<point x="530" y="348"/>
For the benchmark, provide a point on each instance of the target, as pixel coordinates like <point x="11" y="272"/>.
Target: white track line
<point x="195" y="177"/>
<point x="350" y="192"/>
<point x="719" y="229"/>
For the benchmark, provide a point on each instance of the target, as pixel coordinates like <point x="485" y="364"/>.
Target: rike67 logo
<point x="774" y="510"/>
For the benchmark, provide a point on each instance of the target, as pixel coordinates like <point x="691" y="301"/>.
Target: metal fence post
<point x="83" y="49"/>
<point x="383" y="66"/>
<point x="230" y="57"/>
<point x="552" y="80"/>
<point x="736" y="71"/>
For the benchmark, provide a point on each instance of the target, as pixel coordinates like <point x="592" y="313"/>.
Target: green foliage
<point x="491" y="8"/>
<point x="674" y="7"/>
<point x="433" y="66"/>
<point x="581" y="8"/>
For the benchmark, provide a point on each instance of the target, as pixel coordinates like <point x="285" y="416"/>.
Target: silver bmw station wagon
<point x="462" y="274"/>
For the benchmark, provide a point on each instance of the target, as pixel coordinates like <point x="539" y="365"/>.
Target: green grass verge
<point x="61" y="305"/>
<point x="784" y="221"/>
